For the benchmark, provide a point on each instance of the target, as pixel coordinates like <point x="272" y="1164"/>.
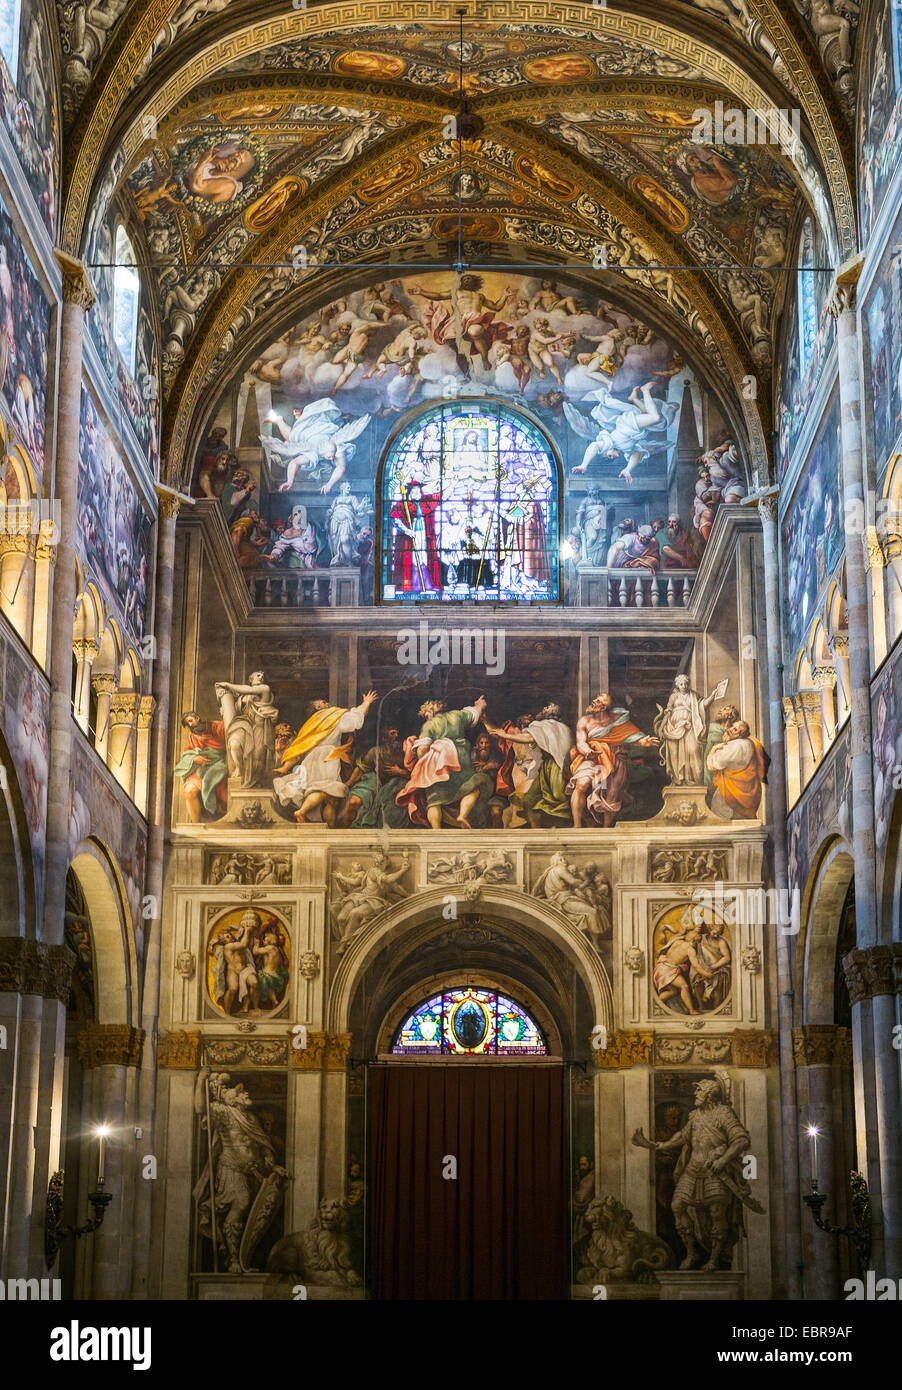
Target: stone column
<point x="840" y="649"/>
<point x="123" y="737"/>
<point x="817" y="1048"/>
<point x="876" y="1064"/>
<point x="810" y="704"/>
<point x="77" y="300"/>
<point x="157" y="801"/>
<point x="103" y="686"/>
<point x="146" y="706"/>
<point x="842" y="306"/>
<point x="874" y="981"/>
<point x="17" y="550"/>
<point x="109" y="1050"/>
<point x="874" y="563"/>
<point x="825" y="680"/>
<point x="791" y="721"/>
<point x="86" y="653"/>
<point x="766" y="502"/>
<point x="45" y="559"/>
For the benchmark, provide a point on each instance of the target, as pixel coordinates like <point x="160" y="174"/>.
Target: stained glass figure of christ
<point x="469" y="509"/>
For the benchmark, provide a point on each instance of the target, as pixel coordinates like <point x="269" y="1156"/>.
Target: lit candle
<point x="812" y="1134"/>
<point x="102" y="1131"/>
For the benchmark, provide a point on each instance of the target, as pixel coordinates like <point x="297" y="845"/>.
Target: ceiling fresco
<point x="259" y="153"/>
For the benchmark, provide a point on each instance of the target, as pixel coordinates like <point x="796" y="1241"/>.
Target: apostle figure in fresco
<point x="551" y="739"/>
<point x="310" y="772"/>
<point x="599" y="765"/>
<point x="203" y="767"/>
<point x="440" y="770"/>
<point x="415" y="564"/>
<point x="739" y="765"/>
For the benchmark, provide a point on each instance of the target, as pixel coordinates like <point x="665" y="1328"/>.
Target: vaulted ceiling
<point x="268" y="154"/>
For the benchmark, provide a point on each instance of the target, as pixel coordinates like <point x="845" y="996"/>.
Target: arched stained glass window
<point x="807" y="306"/>
<point x="470" y="508"/>
<point x="126" y="296"/>
<point x="470" y="1020"/>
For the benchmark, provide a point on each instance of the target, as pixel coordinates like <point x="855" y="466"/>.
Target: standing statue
<point x="241" y="1185"/>
<point x="710" y="1189"/>
<point x="249" y="717"/>
<point x="344" y="520"/>
<point x="682" y="728"/>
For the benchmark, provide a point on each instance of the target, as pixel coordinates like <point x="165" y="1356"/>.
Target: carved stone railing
<point x="635" y="588"/>
<point x="297" y="588"/>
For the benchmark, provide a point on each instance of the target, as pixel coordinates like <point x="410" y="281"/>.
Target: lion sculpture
<point x="618" y="1252"/>
<point x="322" y="1253"/>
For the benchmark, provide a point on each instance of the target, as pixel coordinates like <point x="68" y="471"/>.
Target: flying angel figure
<point x="318" y="438"/>
<point x="628" y="429"/>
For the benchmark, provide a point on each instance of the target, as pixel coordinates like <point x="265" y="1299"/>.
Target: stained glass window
<point x="126" y="295"/>
<point x="473" y="1021"/>
<point x="470" y="508"/>
<point x="10" y="21"/>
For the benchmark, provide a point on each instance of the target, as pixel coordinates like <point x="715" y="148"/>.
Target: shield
<point x="265" y="1205"/>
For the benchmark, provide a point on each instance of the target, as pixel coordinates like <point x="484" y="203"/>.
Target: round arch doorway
<point x="468" y="1149"/>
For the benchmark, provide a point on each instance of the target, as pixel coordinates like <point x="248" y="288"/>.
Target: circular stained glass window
<point x="470" y="1020"/>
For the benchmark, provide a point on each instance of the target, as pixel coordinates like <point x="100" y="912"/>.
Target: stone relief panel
<point x="247" y="868"/>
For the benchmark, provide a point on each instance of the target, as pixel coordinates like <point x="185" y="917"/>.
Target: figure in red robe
<point x="415" y="563"/>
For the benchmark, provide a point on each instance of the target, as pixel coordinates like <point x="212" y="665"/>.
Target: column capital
<point x="146" y="707"/>
<point x="844" y="290"/>
<point x="839" y="645"/>
<point x="17" y="543"/>
<point x="766" y="500"/>
<point x="123" y="705"/>
<point x="33" y="967"/>
<point x="85" y="649"/>
<point x="874" y="971"/>
<point x="103" y="683"/>
<point x="874" y="557"/>
<point x="170" y="501"/>
<point x="791" y="716"/>
<point x="824" y="677"/>
<point x="819" y="1044"/>
<point x="810" y="702"/>
<point x="110" y="1045"/>
<point x="77" y="287"/>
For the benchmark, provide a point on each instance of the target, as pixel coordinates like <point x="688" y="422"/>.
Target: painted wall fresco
<point x="886" y="717"/>
<point x="883" y="354"/>
<point x="99" y="808"/>
<point x="26" y="722"/>
<point x="312" y="414"/>
<point x="248" y="964"/>
<point x="813" y="535"/>
<point x="795" y="386"/>
<point x="879" y="114"/>
<point x="823" y="810"/>
<point x="114" y="529"/>
<point x="24" y="339"/>
<point x="29" y="111"/>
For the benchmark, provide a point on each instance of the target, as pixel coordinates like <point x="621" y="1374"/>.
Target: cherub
<point x="549" y="299"/>
<point x="352" y="350"/>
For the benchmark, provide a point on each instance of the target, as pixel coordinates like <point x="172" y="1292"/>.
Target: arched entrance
<point x="469" y="1138"/>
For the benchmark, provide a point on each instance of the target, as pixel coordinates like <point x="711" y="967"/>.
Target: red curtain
<point x="499" y="1229"/>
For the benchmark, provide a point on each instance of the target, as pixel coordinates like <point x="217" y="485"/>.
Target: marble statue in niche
<point x="710" y="1191"/>
<point x="682" y="727"/>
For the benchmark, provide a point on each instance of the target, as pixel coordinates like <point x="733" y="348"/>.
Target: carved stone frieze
<point x="471" y="870"/>
<point x="179" y="1051"/>
<point x="110" y="1045"/>
<point x="246" y="869"/>
<point x="625" y="1049"/>
<point x="685" y="865"/>
<point x="755" y="1047"/>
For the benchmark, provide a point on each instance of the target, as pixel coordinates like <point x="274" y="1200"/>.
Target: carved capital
<point x="810" y="705"/>
<point x="625" y="1049"/>
<point x="146" y="706"/>
<point x="32" y="967"/>
<point x="874" y="558"/>
<point x="337" y="1052"/>
<point x="86" y="650"/>
<point x="310" y="1058"/>
<point x="123" y="705"/>
<point x="791" y="716"/>
<point x="755" y="1047"/>
<point x="77" y="288"/>
<point x="845" y="286"/>
<point x="110" y="1045"/>
<point x="102" y="683"/>
<point x="873" y="971"/>
<point x="820" y="1044"/>
<point x="179" y="1051"/>
<point x="168" y="502"/>
<point x="824" y="677"/>
<point x="44" y="551"/>
<point x="839" y="645"/>
<point x="16" y="543"/>
<point x="768" y="505"/>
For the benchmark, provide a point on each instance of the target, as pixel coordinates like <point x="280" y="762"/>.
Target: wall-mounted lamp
<point x="54" y="1230"/>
